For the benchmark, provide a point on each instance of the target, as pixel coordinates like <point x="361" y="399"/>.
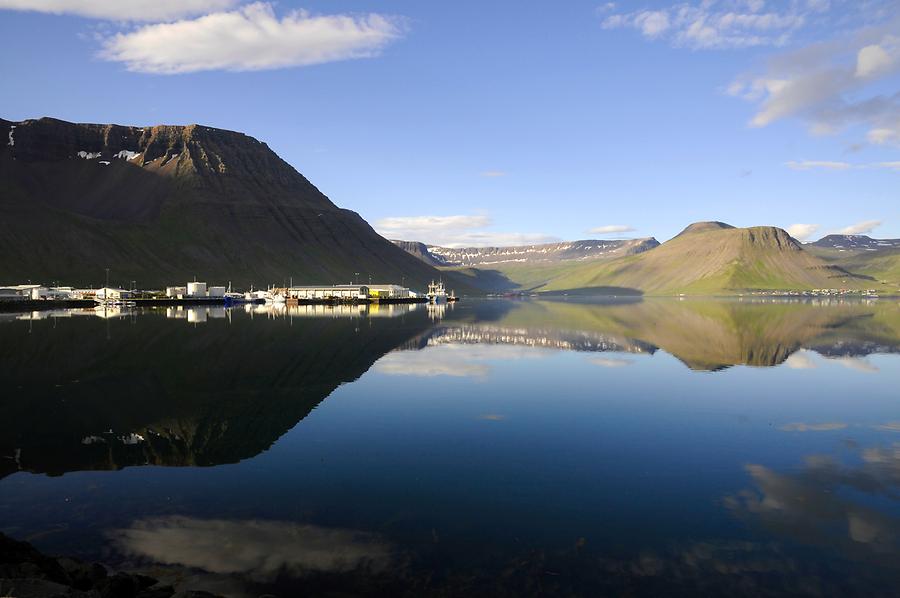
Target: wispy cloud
<point x="121" y="10"/>
<point x="717" y="25"/>
<point x="832" y="85"/>
<point x="840" y="165"/>
<point x="802" y="231"/>
<point x="611" y="229"/>
<point x="860" y="228"/>
<point x="817" y="164"/>
<point x="493" y="173"/>
<point x="455" y="231"/>
<point x="251" y="38"/>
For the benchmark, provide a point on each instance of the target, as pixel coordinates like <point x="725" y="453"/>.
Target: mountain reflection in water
<point x="489" y="448"/>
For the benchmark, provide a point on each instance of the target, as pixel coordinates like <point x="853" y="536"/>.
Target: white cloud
<point x="121" y="10"/>
<point x="820" y="164"/>
<point x="251" y="38"/>
<point x="454" y="231"/>
<point x="860" y="228"/>
<point x="832" y="85"/>
<point x="802" y="231"/>
<point x="611" y="228"/>
<point x="872" y="60"/>
<point x="709" y="25"/>
<point x="493" y="173"/>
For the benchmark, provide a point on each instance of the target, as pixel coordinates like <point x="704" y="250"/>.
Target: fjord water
<point x="501" y="448"/>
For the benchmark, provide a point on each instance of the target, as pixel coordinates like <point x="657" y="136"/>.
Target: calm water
<point x="495" y="448"/>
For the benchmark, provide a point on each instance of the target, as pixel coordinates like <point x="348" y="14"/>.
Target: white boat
<point x="436" y="293"/>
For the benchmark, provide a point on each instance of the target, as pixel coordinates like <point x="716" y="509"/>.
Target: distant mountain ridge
<point x="581" y="250"/>
<point x="855" y="242"/>
<point x="164" y="204"/>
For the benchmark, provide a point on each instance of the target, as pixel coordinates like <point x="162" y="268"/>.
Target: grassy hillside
<point x="882" y="265"/>
<point x="711" y="258"/>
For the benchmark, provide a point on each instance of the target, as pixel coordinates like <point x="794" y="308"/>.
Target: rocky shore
<point x="25" y="572"/>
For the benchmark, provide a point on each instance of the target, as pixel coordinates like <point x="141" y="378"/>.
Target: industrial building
<point x="110" y="294"/>
<point x="195" y="290"/>
<point x="388" y="291"/>
<point x="346" y="292"/>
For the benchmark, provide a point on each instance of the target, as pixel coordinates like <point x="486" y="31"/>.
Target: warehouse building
<point x="343" y="292"/>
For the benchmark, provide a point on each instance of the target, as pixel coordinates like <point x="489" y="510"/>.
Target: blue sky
<point x="506" y="122"/>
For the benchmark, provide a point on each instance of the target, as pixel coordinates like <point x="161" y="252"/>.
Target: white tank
<point x="216" y="291"/>
<point x="196" y="289"/>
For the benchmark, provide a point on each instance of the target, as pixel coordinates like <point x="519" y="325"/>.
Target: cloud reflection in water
<point x="257" y="549"/>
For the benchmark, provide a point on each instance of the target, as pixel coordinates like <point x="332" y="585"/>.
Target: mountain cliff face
<point x="709" y="258"/>
<point x="526" y="254"/>
<point x="164" y="204"/>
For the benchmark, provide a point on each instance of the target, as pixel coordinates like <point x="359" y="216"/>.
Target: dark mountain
<point x="855" y="242"/>
<point x="164" y="204"/>
<point x="545" y="253"/>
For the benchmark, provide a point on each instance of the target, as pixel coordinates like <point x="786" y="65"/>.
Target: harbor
<point x="32" y="296"/>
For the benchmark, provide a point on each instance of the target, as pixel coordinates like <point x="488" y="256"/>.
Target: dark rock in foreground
<point x="27" y="573"/>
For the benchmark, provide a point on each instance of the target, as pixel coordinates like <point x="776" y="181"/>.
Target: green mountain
<point x="712" y="258"/>
<point x="161" y="205"/>
<point x="876" y="258"/>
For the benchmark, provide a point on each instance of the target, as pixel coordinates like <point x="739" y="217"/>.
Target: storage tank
<point x="196" y="289"/>
<point x="216" y="291"/>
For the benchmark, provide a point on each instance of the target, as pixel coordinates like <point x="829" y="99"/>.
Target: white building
<point x="111" y="294"/>
<point x="196" y="289"/>
<point x="388" y="291"/>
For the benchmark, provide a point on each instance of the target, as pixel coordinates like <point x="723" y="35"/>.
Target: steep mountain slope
<point x="163" y="204"/>
<point x="713" y="258"/>
<point x="420" y="250"/>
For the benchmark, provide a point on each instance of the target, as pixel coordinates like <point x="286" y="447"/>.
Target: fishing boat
<point x="436" y="293"/>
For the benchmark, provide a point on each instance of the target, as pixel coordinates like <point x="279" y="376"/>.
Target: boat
<point x="436" y="293"/>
